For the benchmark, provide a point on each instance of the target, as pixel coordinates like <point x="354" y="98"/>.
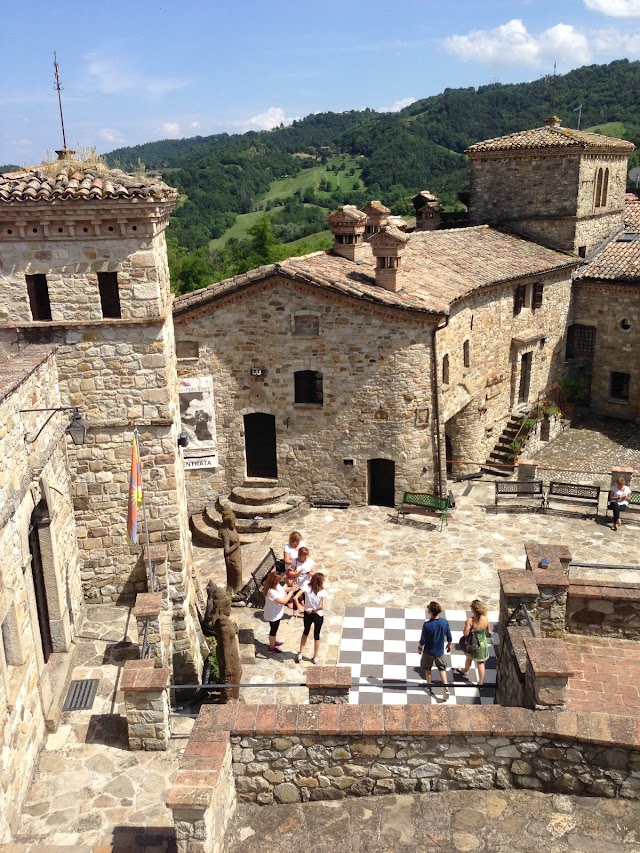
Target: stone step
<point x="259" y="483"/>
<point x="253" y="495"/>
<point x="500" y="456"/>
<point x="267" y="510"/>
<point x="244" y="524"/>
<point x="203" y="534"/>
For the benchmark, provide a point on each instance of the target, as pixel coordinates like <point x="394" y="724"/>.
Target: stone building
<point x="40" y="567"/>
<point x="83" y="265"/>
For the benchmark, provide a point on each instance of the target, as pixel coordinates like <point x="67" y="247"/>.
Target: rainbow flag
<point x="135" y="491"/>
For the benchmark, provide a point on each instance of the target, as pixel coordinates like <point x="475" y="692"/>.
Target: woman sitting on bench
<point x="618" y="501"/>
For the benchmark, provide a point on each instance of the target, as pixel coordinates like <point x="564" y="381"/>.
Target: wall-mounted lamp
<point x="77" y="426"/>
<point x="183" y="439"/>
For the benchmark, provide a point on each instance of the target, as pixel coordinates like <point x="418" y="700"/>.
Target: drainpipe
<point x="436" y="403"/>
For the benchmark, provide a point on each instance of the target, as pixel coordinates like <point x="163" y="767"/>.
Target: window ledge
<point x="618" y="402"/>
<point x="188" y="358"/>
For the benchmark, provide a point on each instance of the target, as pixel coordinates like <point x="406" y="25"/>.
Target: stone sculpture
<point x="232" y="551"/>
<point x="216" y="623"/>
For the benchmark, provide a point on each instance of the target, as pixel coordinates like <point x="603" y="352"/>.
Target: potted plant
<point x="576" y="391"/>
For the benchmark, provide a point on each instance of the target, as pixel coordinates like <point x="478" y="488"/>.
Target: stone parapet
<point x="294" y="753"/>
<point x="146" y="704"/>
<point x="604" y="608"/>
<point x="527" y="469"/>
<point x="548" y="671"/>
<point x="329" y="684"/>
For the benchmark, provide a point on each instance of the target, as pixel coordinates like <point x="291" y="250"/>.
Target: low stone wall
<point x="605" y="608"/>
<point x="294" y="753"/>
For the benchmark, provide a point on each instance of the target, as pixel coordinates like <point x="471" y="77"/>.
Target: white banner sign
<point x="198" y="418"/>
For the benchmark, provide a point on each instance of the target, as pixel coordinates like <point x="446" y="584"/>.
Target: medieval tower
<point x="83" y="266"/>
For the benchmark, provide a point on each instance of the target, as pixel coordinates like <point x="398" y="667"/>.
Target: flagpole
<point x="152" y="576"/>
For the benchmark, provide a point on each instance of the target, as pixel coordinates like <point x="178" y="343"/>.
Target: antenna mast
<point x="553" y="91"/>
<point x="59" y="89"/>
<point x="579" y="111"/>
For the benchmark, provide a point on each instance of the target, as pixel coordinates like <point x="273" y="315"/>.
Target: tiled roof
<point x="75" y="180"/>
<point x="376" y="208"/>
<point x="619" y="259"/>
<point x="21" y="365"/>
<point x="552" y="137"/>
<point x="438" y="267"/>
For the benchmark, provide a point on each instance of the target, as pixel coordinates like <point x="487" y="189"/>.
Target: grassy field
<point x="612" y="128"/>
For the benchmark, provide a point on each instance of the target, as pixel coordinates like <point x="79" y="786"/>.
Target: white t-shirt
<point x="305" y="570"/>
<point x="621" y="495"/>
<point x="272" y="610"/>
<point x="314" y="600"/>
<point x="293" y="552"/>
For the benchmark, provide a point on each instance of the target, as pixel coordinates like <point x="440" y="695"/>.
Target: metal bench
<point x="251" y="592"/>
<point x="634" y="504"/>
<point x="421" y="503"/>
<point x="517" y="490"/>
<point x="573" y="493"/>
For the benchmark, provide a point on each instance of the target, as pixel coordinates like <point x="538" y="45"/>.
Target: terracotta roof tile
<point x="619" y="259"/>
<point x="439" y="267"/>
<point x="552" y="137"/>
<point x="79" y="181"/>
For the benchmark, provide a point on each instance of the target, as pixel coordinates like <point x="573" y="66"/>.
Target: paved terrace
<point x="89" y="790"/>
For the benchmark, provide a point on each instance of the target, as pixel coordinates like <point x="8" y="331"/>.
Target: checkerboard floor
<point x="380" y="644"/>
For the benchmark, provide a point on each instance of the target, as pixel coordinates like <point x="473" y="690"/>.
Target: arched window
<point x="466" y="354"/>
<point x="598" y="196"/>
<point x="445" y="369"/>
<point x="605" y="188"/>
<point x="308" y="387"/>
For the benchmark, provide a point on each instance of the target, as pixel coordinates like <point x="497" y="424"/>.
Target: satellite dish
<point x="634" y="175"/>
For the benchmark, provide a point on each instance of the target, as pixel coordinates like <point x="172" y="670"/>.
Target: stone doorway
<point x="524" y="386"/>
<point x="260" y="445"/>
<point x="382" y="482"/>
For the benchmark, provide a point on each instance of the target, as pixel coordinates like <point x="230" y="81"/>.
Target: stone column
<point x="158" y="559"/>
<point x="516" y="586"/>
<point x="527" y="469"/>
<point x="329" y="685"/>
<point x="548" y="673"/>
<point x="147" y="613"/>
<point x="146" y="703"/>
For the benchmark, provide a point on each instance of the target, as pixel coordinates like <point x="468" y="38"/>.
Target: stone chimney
<point x="347" y="225"/>
<point x="376" y="214"/>
<point x="387" y="246"/>
<point x="552" y="121"/>
<point x="65" y="153"/>
<point x="427" y="208"/>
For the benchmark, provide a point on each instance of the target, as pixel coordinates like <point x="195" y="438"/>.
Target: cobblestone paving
<point x="465" y="821"/>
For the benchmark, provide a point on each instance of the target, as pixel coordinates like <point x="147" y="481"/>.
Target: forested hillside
<point x="270" y="191"/>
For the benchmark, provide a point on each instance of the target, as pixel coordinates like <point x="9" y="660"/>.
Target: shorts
<point x="427" y="661"/>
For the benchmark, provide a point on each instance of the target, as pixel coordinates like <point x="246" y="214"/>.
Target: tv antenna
<point x="579" y="111"/>
<point x="552" y="81"/>
<point x="58" y="87"/>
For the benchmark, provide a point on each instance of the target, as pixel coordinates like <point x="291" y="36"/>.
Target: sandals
<point x="461" y="672"/>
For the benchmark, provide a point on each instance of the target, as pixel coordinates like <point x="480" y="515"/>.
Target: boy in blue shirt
<point x="432" y="646"/>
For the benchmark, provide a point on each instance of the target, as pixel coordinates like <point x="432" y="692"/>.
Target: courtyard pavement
<point x="89" y="790"/>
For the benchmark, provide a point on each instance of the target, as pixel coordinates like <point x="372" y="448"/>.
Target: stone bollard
<point x="147" y="612"/>
<point x="329" y="685"/>
<point x="548" y="673"/>
<point x="147" y="705"/>
<point x="527" y="469"/>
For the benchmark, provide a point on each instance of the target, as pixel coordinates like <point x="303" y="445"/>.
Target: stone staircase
<point x="256" y="503"/>
<point x="501" y="453"/>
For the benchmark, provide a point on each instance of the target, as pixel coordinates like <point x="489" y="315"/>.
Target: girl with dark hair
<point x="275" y="600"/>
<point x="314" y="604"/>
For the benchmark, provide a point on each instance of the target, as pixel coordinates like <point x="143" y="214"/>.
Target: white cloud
<point x="398" y="105"/>
<point x="113" y="77"/>
<point x="615" y="8"/>
<point x="170" y="129"/>
<point x="195" y="125"/>
<point x="273" y="117"/>
<point x="109" y="134"/>
<point x="512" y="44"/>
<point x="613" y="44"/>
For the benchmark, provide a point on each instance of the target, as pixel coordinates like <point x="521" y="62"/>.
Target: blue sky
<point x="138" y="71"/>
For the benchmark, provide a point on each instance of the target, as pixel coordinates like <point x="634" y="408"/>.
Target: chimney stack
<point x="387" y="246"/>
<point x="376" y="214"/>
<point x="552" y="121"/>
<point x="347" y="225"/>
<point x="427" y="208"/>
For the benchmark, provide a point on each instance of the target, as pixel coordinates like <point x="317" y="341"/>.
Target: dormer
<point x="387" y="246"/>
<point x="376" y="214"/>
<point x="347" y="225"/>
<point x="427" y="208"/>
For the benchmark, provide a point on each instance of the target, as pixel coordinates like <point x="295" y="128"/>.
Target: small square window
<point x="306" y="325"/>
<point x="109" y="295"/>
<point x="38" y="291"/>
<point x="187" y="349"/>
<point x="308" y="387"/>
<point x="620" y="385"/>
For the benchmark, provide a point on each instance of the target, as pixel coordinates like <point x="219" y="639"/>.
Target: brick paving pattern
<point x="607" y="675"/>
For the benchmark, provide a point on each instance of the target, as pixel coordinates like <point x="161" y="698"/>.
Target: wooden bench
<point x="573" y="493"/>
<point x="634" y="505"/>
<point x="421" y="503"/>
<point x="516" y="490"/>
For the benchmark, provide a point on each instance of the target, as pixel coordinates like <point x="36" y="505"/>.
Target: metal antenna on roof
<point x="553" y="91"/>
<point x="579" y="111"/>
<point x="59" y="89"/>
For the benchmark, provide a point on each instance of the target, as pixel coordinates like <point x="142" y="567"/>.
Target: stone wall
<point x="548" y="195"/>
<point x="477" y="401"/>
<point x="604" y="306"/>
<point x="293" y="753"/>
<point x="604" y="608"/>
<point x="34" y="474"/>
<point x="377" y="389"/>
